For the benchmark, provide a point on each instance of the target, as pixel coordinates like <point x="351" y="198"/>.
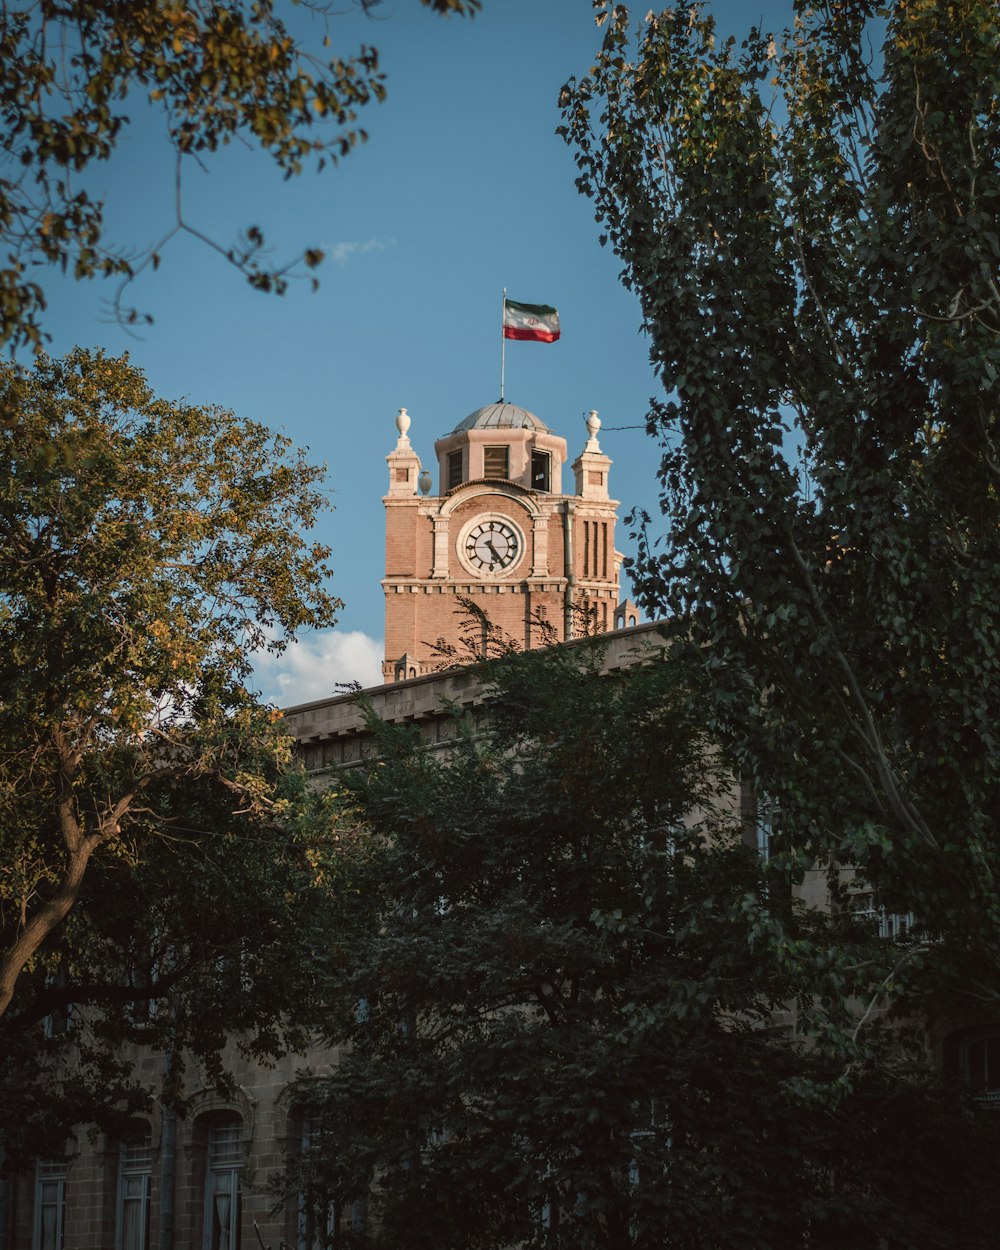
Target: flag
<point x="535" y="323"/>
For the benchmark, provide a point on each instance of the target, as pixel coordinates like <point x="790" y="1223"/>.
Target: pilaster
<point x="440" y="556"/>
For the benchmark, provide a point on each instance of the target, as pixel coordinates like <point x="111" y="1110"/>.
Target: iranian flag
<point x="535" y="323"/>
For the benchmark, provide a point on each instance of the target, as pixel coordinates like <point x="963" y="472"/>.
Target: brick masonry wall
<point x="422" y="610"/>
<point x="400" y="537"/>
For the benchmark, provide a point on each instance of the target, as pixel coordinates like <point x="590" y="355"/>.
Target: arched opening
<point x="222" y="1133"/>
<point x="135" y="1172"/>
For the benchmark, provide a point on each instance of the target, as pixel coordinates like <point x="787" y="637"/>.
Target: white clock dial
<point x="491" y="546"/>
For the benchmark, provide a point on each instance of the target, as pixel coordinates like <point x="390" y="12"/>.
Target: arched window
<point x="135" y="1170"/>
<point x="50" y="1204"/>
<point x="222" y="1183"/>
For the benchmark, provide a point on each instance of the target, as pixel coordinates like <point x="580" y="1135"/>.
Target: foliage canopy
<point x="569" y="1000"/>
<point x="74" y="71"/>
<point x="147" y="549"/>
<point x="810" y="222"/>
<point x="198" y="933"/>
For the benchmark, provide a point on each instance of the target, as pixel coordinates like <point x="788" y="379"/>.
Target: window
<point x="891" y="925"/>
<point x="317" y="1222"/>
<point x="135" y="1166"/>
<point x="980" y="1059"/>
<point x="894" y="924"/>
<point x="652" y="1143"/>
<point x="767" y="819"/>
<point x="222" y="1188"/>
<point x="148" y="960"/>
<point x="50" y="1204"/>
<point x="495" y="462"/>
<point x="540" y="477"/>
<point x="58" y="1022"/>
<point x="454" y="469"/>
<point x="317" y="1225"/>
<point x="548" y="1212"/>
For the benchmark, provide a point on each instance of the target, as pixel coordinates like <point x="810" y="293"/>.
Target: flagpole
<point x="503" y="341"/>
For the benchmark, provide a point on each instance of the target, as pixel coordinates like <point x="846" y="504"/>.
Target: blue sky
<point x="462" y="189"/>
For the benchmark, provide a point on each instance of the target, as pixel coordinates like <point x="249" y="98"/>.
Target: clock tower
<point x="500" y="532"/>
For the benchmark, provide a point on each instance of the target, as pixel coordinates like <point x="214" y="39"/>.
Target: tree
<point x="217" y="71"/>
<point x="147" y="549"/>
<point x="565" y="1004"/>
<point x="811" y="228"/>
<point x="202" y="932"/>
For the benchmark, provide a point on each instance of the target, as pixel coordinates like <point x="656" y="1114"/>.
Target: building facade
<point x="174" y="1184"/>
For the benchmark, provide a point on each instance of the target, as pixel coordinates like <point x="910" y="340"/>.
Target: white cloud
<point x="342" y="252"/>
<point x="313" y="667"/>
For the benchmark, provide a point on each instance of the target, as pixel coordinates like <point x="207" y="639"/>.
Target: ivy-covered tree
<point x="570" y="992"/>
<point x="147" y="549"/>
<point x="75" y="71"/>
<point x="811" y="222"/>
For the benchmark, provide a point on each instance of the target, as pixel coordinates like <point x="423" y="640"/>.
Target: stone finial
<point x="425" y="481"/>
<point x="593" y="423"/>
<point x="591" y="466"/>
<point x="403" y="461"/>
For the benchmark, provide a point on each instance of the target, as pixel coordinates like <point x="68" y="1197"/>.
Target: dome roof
<point x="501" y="417"/>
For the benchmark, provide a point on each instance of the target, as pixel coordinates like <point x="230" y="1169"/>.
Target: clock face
<point x="492" y="546"/>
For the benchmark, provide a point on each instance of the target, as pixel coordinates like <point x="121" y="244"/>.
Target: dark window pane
<point x="540" y="470"/>
<point x="975" y="1058"/>
<point x="993" y="1062"/>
